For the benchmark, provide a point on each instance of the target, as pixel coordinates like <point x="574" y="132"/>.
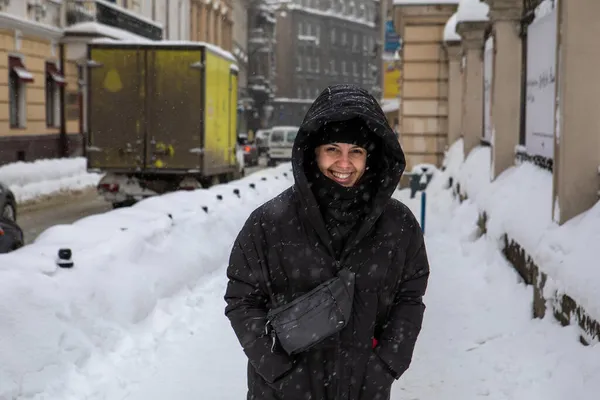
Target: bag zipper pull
<point x="274" y="339"/>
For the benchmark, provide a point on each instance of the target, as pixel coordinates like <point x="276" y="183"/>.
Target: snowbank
<point x="478" y="338"/>
<point x="54" y="321"/>
<point x="519" y="203"/>
<point x="32" y="180"/>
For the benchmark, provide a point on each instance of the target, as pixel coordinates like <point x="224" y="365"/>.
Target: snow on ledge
<point x="518" y="203"/>
<point x="97" y="28"/>
<point x="390" y="105"/>
<point x="168" y="43"/>
<point x="472" y="11"/>
<point x="450" y="29"/>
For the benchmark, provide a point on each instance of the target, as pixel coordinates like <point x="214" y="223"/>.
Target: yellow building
<point x="33" y="81"/>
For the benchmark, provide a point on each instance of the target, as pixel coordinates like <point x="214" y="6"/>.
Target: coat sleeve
<point x="247" y="299"/>
<point x="399" y="334"/>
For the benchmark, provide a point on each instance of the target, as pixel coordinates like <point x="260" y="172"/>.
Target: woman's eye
<point x="331" y="149"/>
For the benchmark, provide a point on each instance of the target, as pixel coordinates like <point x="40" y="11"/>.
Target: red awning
<point x="16" y="65"/>
<point x="55" y="74"/>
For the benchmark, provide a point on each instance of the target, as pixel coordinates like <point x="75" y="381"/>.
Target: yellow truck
<point x="161" y="116"/>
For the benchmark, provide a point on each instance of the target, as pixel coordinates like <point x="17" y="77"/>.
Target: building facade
<point x="240" y="52"/>
<point x="212" y="22"/>
<point x="261" y="63"/>
<point x="43" y="55"/>
<point x="33" y="77"/>
<point x="423" y="111"/>
<point x="320" y="43"/>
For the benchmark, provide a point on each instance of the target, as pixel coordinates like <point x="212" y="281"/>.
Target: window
<point x="354" y="68"/>
<point x="300" y="29"/>
<point x="344" y="70"/>
<point x="54" y="81"/>
<point x="299" y="92"/>
<point x="332" y="67"/>
<point x="291" y="135"/>
<point x="298" y="63"/>
<point x="317" y="64"/>
<point x="308" y="64"/>
<point x="18" y="77"/>
<point x="333" y="38"/>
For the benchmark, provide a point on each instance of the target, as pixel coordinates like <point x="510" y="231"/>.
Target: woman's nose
<point x="344" y="160"/>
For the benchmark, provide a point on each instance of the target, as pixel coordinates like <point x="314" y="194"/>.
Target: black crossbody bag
<point x="314" y="316"/>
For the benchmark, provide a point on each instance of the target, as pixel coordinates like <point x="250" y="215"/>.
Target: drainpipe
<point x="63" y="139"/>
<point x="168" y="34"/>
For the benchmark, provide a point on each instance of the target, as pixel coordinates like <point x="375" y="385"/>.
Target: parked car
<point x="250" y="150"/>
<point x="8" y="204"/>
<point x="11" y="235"/>
<point x="262" y="141"/>
<point x="281" y="142"/>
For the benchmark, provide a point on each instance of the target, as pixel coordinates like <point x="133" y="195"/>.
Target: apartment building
<point x="261" y="63"/>
<point x="323" y="42"/>
<point x="43" y="55"/>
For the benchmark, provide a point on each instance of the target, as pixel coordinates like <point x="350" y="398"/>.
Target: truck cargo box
<point x="161" y="108"/>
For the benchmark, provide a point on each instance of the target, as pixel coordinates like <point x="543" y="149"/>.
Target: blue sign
<point x="392" y="39"/>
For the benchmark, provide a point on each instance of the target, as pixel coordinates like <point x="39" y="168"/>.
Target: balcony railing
<point x="106" y="13"/>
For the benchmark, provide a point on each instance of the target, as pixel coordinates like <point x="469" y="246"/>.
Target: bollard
<point x="65" y="259"/>
<point x="423" y="208"/>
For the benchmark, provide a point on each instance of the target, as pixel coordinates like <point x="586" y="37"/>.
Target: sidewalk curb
<point x="49" y="201"/>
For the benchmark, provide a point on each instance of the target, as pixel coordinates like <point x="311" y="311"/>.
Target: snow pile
<point x="54" y="322"/>
<point x="32" y="180"/>
<point x="519" y="203"/>
<point x="472" y="11"/>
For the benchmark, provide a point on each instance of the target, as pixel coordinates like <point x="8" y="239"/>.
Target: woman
<point x="338" y="214"/>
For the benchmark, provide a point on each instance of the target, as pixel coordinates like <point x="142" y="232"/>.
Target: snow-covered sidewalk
<point x="478" y="338"/>
<point x="140" y="317"/>
<point x="31" y="181"/>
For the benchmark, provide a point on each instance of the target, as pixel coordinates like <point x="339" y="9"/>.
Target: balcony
<point x="103" y="12"/>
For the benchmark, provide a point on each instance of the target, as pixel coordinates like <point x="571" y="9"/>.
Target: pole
<point x="423" y="208"/>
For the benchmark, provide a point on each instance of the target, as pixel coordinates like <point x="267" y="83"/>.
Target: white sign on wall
<point x="541" y="83"/>
<point x="488" y="71"/>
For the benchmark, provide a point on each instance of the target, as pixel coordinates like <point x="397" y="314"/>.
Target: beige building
<point x="212" y="22"/>
<point x="43" y="55"/>
<point x="423" y="111"/>
<point x="33" y="80"/>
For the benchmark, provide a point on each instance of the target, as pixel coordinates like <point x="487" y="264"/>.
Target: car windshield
<point x="291" y="135"/>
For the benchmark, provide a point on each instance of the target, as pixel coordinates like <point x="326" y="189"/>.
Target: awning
<point x="15" y="64"/>
<point x="55" y="74"/>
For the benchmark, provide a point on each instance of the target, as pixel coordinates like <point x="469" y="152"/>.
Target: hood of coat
<point x="341" y="103"/>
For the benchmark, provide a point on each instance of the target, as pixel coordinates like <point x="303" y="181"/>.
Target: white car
<point x="281" y="141"/>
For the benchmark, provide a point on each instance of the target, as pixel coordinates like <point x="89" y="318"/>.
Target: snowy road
<point x="478" y="339"/>
<point x="36" y="221"/>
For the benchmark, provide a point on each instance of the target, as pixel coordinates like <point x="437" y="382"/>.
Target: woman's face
<point x="342" y="162"/>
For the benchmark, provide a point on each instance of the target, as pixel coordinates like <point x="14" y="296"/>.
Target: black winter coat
<point x="284" y="249"/>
